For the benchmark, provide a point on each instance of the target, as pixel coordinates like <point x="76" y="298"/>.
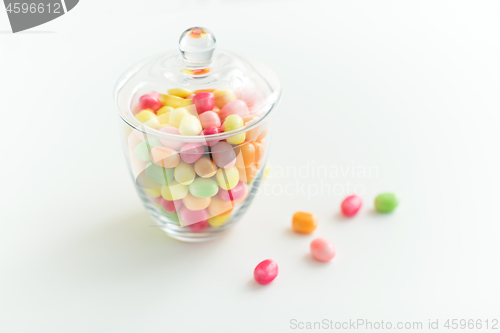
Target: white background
<point x="410" y="88"/>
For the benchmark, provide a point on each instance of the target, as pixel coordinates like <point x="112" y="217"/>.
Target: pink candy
<point x="192" y="152"/>
<point x="210" y="131"/>
<point x="234" y="194"/>
<point x="204" y="101"/>
<point x="193" y="216"/>
<point x="237" y="107"/>
<point x="223" y="155"/>
<point x="150" y="101"/>
<point x="266" y="271"/>
<point x="322" y="250"/>
<point x="351" y="205"/>
<point x="176" y="145"/>
<point x="171" y="206"/>
<point x="198" y="227"/>
<point x="209" y="119"/>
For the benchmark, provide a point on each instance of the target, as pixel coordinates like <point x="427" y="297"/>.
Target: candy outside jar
<point x="195" y="134"/>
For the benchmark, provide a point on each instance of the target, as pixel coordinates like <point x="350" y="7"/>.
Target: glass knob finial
<point x="197" y="46"/>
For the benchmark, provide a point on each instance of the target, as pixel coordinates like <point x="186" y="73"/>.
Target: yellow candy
<point x="145" y="115"/>
<point x="163" y="110"/>
<point x="174" y="101"/>
<point x="233" y="122"/>
<point x="152" y="192"/>
<point x="163" y="118"/>
<point x="179" y="92"/>
<point x="190" y="125"/>
<point x="222" y="97"/>
<point x="218" y="220"/>
<point x="176" y="116"/>
<point x="154" y="123"/>
<point x="174" y="191"/>
<point x="227" y="178"/>
<point x="194" y="203"/>
<point x="184" y="173"/>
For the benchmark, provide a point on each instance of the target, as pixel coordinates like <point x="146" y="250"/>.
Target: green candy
<point x="386" y="202"/>
<point x="143" y="149"/>
<point x="173" y="216"/>
<point x="159" y="174"/>
<point x="204" y="187"/>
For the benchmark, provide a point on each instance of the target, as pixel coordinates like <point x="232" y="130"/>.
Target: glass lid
<point x="198" y="79"/>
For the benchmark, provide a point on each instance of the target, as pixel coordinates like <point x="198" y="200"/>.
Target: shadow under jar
<point x="195" y="134"/>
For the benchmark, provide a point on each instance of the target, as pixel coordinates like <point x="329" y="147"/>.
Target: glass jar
<point x="195" y="134"/>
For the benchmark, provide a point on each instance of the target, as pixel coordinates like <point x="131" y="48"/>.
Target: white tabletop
<point x="407" y="92"/>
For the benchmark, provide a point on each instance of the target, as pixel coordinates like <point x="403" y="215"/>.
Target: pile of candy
<point x="196" y="183"/>
<point x="321" y="249"/>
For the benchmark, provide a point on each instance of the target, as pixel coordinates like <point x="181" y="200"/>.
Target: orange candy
<point x="259" y="151"/>
<point x="262" y="135"/>
<point x="248" y="153"/>
<point x="250" y="172"/>
<point x="219" y="207"/>
<point x="304" y="222"/>
<point x="205" y="167"/>
<point x="164" y="157"/>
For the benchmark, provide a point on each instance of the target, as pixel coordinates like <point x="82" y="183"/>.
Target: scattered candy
<point x="351" y="205"/>
<point x="304" y="222"/>
<point x="386" y="202"/>
<point x="266" y="271"/>
<point x="322" y="250"/>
